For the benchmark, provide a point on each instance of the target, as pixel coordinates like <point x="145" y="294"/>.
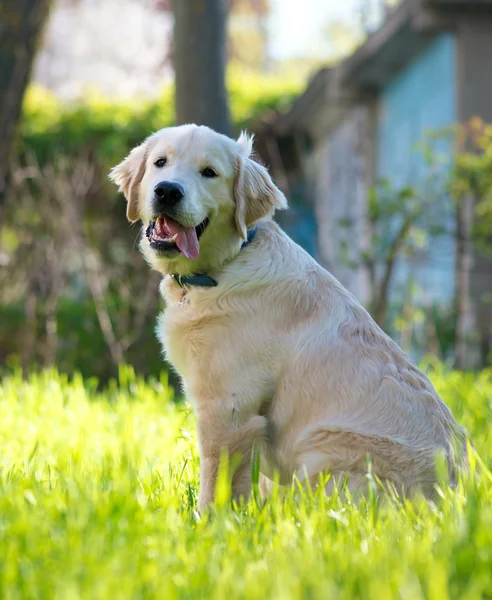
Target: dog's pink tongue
<point x="187" y="240"/>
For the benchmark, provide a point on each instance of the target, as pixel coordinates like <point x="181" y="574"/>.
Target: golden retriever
<point x="273" y="352"/>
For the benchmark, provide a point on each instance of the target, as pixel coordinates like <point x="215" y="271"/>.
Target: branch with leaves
<point x="400" y="223"/>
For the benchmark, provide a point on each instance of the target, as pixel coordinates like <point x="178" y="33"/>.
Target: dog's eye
<point x="209" y="172"/>
<point x="160" y="162"/>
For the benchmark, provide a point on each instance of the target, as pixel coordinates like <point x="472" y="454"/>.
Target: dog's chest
<point x="178" y="340"/>
<point x="188" y="337"/>
<point x="214" y="355"/>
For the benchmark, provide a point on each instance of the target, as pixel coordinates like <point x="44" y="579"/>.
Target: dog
<point x="274" y="353"/>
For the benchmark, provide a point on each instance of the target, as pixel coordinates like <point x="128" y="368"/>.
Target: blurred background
<point x="372" y="116"/>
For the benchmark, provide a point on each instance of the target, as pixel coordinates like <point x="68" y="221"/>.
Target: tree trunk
<point x="200" y="62"/>
<point x="21" y="22"/>
<point x="465" y="321"/>
<point x="28" y="347"/>
<point x="381" y="302"/>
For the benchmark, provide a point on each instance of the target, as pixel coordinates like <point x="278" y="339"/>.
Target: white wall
<point x="118" y="47"/>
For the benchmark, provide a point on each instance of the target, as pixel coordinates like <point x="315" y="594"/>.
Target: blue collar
<point x="200" y="280"/>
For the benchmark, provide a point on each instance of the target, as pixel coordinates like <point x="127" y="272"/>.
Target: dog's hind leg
<point x="347" y="453"/>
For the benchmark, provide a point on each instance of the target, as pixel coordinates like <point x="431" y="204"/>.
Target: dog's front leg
<point x="216" y="437"/>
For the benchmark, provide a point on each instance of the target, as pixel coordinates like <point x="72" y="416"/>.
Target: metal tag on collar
<point x="177" y="279"/>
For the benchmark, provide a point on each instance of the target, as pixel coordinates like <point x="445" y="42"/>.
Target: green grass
<point x="98" y="493"/>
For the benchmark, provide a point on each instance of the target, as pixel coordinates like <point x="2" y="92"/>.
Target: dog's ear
<point x="255" y="194"/>
<point x="128" y="175"/>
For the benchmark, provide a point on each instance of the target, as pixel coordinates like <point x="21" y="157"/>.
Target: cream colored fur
<point x="279" y="355"/>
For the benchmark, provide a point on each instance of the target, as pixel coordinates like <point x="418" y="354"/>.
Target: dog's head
<point x="197" y="193"/>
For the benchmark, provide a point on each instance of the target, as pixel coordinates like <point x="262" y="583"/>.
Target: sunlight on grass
<point x="98" y="494"/>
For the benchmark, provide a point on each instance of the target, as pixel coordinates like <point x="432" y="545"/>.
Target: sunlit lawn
<point x="98" y="492"/>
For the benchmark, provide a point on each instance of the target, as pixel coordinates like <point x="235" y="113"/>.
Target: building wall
<point x="421" y="99"/>
<point x="448" y="82"/>
<point x="475" y="99"/>
<point x="475" y="69"/>
<point x="341" y="171"/>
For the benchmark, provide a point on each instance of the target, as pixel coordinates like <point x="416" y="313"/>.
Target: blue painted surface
<point x="419" y="100"/>
<point x="299" y="222"/>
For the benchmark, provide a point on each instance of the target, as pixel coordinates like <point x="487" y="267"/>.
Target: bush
<point x="107" y="130"/>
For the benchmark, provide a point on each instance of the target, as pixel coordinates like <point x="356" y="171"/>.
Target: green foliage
<point x="418" y="325"/>
<point x="402" y="220"/>
<point x="251" y="96"/>
<point x="106" y="130"/>
<point x="97" y="128"/>
<point x="400" y="224"/>
<point x="98" y="496"/>
<point x="81" y="346"/>
<point x="472" y="176"/>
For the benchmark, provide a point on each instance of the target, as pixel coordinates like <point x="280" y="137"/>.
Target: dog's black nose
<point x="168" y="193"/>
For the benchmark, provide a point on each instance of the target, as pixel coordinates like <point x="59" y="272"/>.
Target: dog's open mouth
<point x="167" y="235"/>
